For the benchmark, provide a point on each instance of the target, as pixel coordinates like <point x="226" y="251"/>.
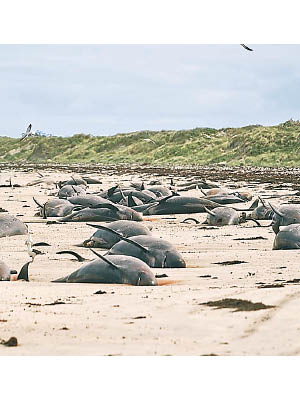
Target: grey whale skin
<point x="288" y="238"/>
<point x="106" y="239"/>
<point x="102" y="213"/>
<point x="180" y="205"/>
<point x="11" y="226"/>
<point x="55" y="208"/>
<point x="284" y="215"/>
<point x="113" y="269"/>
<point x="155" y="252"/>
<point x="221" y="216"/>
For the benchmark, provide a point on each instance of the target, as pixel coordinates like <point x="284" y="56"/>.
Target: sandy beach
<point x="169" y="319"/>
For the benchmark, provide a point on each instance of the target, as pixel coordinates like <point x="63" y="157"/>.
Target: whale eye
<point x="219" y="221"/>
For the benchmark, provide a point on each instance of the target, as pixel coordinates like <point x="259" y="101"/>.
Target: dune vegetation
<point x="255" y="145"/>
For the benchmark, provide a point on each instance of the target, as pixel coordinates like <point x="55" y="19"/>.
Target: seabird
<point x="29" y="244"/>
<point x="246" y="47"/>
<point x="31" y="252"/>
<point x="28" y="132"/>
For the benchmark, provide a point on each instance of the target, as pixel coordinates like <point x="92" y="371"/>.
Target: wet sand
<point x="170" y="319"/>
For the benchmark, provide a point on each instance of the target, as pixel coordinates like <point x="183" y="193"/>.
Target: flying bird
<point x="28" y="132"/>
<point x="246" y="47"/>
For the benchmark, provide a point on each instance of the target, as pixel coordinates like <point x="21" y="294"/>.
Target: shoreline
<point x="285" y="175"/>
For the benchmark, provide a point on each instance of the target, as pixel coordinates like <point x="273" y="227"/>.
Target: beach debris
<point x="237" y="304"/>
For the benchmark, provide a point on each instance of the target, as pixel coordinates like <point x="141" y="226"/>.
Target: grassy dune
<point x="250" y="145"/>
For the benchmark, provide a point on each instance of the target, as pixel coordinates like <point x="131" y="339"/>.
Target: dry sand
<point x="164" y="320"/>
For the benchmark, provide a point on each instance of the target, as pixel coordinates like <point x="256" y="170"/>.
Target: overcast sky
<point x="107" y="89"/>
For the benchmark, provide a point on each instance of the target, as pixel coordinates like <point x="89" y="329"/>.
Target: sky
<point x="109" y="89"/>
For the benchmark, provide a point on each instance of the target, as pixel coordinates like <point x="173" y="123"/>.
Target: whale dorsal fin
<point x="106" y="260"/>
<point x="209" y="211"/>
<point x="23" y="274"/>
<point x="105" y="205"/>
<point x="131" y="202"/>
<point x="37" y="203"/>
<point x="145" y="249"/>
<point x="168" y="197"/>
<point x="78" y="256"/>
<point x="112" y="190"/>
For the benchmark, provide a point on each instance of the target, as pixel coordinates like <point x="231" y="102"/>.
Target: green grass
<point x="250" y="145"/>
